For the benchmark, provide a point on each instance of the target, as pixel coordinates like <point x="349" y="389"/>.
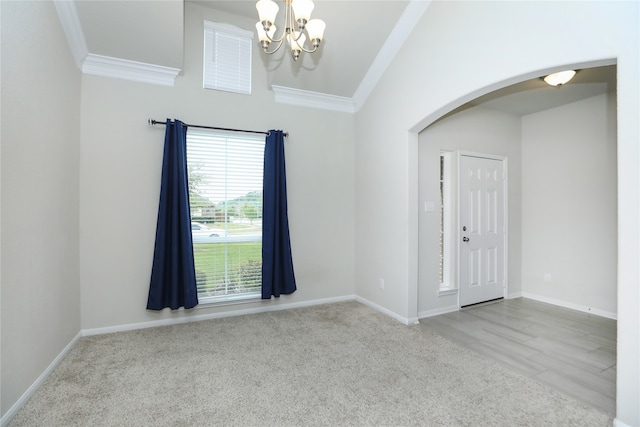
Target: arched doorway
<point x="545" y="228"/>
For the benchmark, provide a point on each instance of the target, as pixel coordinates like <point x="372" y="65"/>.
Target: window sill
<point x="208" y="302"/>
<point x="447" y="291"/>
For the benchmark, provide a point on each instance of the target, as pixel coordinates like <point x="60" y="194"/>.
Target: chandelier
<point x="296" y="12"/>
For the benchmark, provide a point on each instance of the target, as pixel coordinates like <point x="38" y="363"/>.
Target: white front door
<point x="482" y="229"/>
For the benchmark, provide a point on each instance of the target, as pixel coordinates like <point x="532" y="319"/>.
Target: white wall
<point x="458" y="51"/>
<point x="569" y="204"/>
<point x="480" y="130"/>
<point x="40" y="142"/>
<point x="121" y="158"/>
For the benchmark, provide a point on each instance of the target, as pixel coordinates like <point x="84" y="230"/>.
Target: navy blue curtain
<point x="277" y="265"/>
<point x="173" y="276"/>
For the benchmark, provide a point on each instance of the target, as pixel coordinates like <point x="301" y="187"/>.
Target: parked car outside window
<point x="203" y="234"/>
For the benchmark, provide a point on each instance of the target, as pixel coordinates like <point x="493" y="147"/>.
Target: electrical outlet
<point x="381" y="283"/>
<point x="547" y="277"/>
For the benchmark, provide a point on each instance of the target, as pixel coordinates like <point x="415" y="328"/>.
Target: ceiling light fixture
<point x="296" y="12"/>
<point x="558" y="79"/>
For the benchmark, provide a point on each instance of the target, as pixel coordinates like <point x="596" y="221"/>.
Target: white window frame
<point x="225" y="237"/>
<point x="231" y="71"/>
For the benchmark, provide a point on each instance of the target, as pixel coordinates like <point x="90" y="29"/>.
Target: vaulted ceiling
<point x="360" y="40"/>
<point x="346" y="53"/>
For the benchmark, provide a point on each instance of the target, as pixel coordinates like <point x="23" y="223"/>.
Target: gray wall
<point x="569" y="204"/>
<point x="39" y="229"/>
<point x="458" y="51"/>
<point x="479" y="130"/>
<point x="81" y="178"/>
<point x="121" y="158"/>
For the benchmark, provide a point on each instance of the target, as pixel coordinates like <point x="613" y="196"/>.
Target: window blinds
<point x="227" y="58"/>
<point x="225" y="192"/>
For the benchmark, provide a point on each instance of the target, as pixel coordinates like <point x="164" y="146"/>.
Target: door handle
<point x="465" y="239"/>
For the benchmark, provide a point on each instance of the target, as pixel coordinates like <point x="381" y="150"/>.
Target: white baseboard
<point x="437" y="311"/>
<point x="8" y="416"/>
<point x="618" y="423"/>
<point x="405" y="320"/>
<point x="514" y="295"/>
<point x="187" y="319"/>
<point x="572" y="306"/>
<point x="253" y="310"/>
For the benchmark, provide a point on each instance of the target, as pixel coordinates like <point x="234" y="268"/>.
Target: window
<point x="447" y="284"/>
<point x="225" y="194"/>
<point x="227" y="58"/>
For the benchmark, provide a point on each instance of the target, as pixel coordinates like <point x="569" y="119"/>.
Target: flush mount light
<point x="558" y="79"/>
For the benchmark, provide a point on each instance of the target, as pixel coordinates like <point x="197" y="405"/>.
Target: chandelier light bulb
<point x="265" y="37"/>
<point x="267" y="11"/>
<point x="296" y="41"/>
<point x="315" y="29"/>
<point x="302" y="10"/>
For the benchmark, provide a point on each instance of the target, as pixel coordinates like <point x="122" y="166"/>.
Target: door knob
<point x="465" y="239"/>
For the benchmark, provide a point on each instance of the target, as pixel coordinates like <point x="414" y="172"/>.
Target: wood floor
<point x="571" y="351"/>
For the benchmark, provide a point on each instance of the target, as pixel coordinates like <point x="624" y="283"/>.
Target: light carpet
<point x="334" y="364"/>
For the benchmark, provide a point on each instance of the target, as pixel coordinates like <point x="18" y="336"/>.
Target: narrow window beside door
<point x="447" y="282"/>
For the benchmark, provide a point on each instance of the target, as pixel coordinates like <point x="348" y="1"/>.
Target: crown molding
<point x="107" y="66"/>
<point x="408" y="20"/>
<point x="306" y="98"/>
<point x="72" y="29"/>
<point x="401" y="31"/>
<point x="156" y="74"/>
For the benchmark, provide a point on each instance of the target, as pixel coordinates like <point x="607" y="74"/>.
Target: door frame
<point x="505" y="234"/>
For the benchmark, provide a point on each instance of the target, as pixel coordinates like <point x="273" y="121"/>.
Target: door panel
<point x="482" y="229"/>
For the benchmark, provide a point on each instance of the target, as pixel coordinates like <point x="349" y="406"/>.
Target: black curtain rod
<point x="158" y="122"/>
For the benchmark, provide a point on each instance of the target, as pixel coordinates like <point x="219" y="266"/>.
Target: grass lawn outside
<point x="228" y="267"/>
